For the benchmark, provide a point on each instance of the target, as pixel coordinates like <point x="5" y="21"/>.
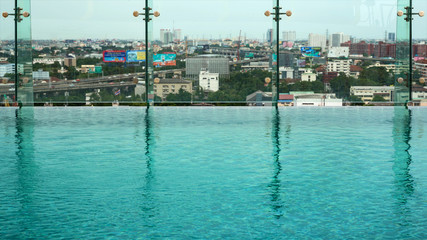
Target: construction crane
<point x="238" y="46"/>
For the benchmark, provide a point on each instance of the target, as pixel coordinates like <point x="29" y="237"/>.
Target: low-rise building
<point x="308" y="75"/>
<point x="41" y="75"/>
<point x="87" y="68"/>
<point x="286" y="100"/>
<point x="421" y="66"/>
<point x="355" y="71"/>
<point x="48" y="60"/>
<point x="338" y="52"/>
<point x="259" y="98"/>
<point x="419" y="92"/>
<point x="367" y="93"/>
<point x="173" y="85"/>
<point x="389" y="67"/>
<point x="6" y="68"/>
<point x="256" y="65"/>
<point x="209" y="81"/>
<point x="317" y="100"/>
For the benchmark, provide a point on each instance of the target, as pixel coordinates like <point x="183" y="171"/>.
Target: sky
<point x="100" y="19"/>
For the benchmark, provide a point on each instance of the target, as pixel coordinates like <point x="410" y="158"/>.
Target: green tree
<point x="341" y="85"/>
<point x="354" y="98"/>
<point x="379" y="75"/>
<point x="181" y="96"/>
<point x="88" y="61"/>
<point x="315" y="86"/>
<point x="56" y="65"/>
<point x="378" y="98"/>
<point x="72" y="73"/>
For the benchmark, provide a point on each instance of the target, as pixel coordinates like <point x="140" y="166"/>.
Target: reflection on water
<point x="149" y="141"/>
<point x="148" y="205"/>
<point x="402" y="158"/>
<point x="26" y="167"/>
<point x="403" y="180"/>
<point x="275" y="185"/>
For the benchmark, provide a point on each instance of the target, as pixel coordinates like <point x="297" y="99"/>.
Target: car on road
<point x="74" y="81"/>
<point x="11" y="89"/>
<point x="71" y="85"/>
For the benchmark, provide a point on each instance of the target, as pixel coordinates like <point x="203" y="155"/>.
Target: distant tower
<point x="270" y="35"/>
<point x="327" y="40"/>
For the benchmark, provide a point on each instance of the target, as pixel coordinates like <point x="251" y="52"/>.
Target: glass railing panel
<point x="7" y="55"/>
<point x="402" y="56"/>
<point x="24" y="56"/>
<point x="97" y="59"/>
<point x="344" y="52"/>
<point x="419" y="90"/>
<point x="222" y="55"/>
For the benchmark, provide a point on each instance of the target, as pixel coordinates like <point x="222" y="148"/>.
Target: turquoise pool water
<point x="214" y="173"/>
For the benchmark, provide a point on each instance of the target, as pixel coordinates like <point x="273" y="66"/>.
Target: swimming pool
<point x="214" y="173"/>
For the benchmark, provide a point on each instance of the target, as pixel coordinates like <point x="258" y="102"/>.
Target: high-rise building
<point x="166" y="36"/>
<point x="317" y="40"/>
<point x="162" y="35"/>
<point x="290" y="36"/>
<point x="337" y="38"/>
<point x="391" y="37"/>
<point x="270" y="36"/>
<point x="177" y="34"/>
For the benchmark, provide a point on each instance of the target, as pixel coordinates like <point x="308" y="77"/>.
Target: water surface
<point x="214" y="173"/>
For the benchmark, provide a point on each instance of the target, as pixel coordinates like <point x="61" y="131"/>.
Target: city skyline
<point x="52" y="19"/>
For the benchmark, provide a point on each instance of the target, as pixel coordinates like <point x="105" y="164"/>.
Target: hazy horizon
<point x="112" y="19"/>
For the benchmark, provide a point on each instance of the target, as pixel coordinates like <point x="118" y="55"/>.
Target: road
<point x="119" y="80"/>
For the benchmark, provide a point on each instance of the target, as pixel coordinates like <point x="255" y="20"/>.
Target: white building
<point x="209" y="81"/>
<point x="317" y="100"/>
<point x="41" y="75"/>
<point x="317" y="40"/>
<point x="287" y="73"/>
<point x="6" y="68"/>
<point x="48" y="60"/>
<point x="290" y="36"/>
<point x="338" y="52"/>
<point x="419" y="92"/>
<point x="367" y="93"/>
<point x="340" y="65"/>
<point x="308" y="75"/>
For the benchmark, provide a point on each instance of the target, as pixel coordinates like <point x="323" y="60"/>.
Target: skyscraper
<point x="317" y="40"/>
<point x="290" y="36"/>
<point x="162" y="35"/>
<point x="338" y="38"/>
<point x="270" y="36"/>
<point x="391" y="37"/>
<point x="177" y="34"/>
<point x="166" y="36"/>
